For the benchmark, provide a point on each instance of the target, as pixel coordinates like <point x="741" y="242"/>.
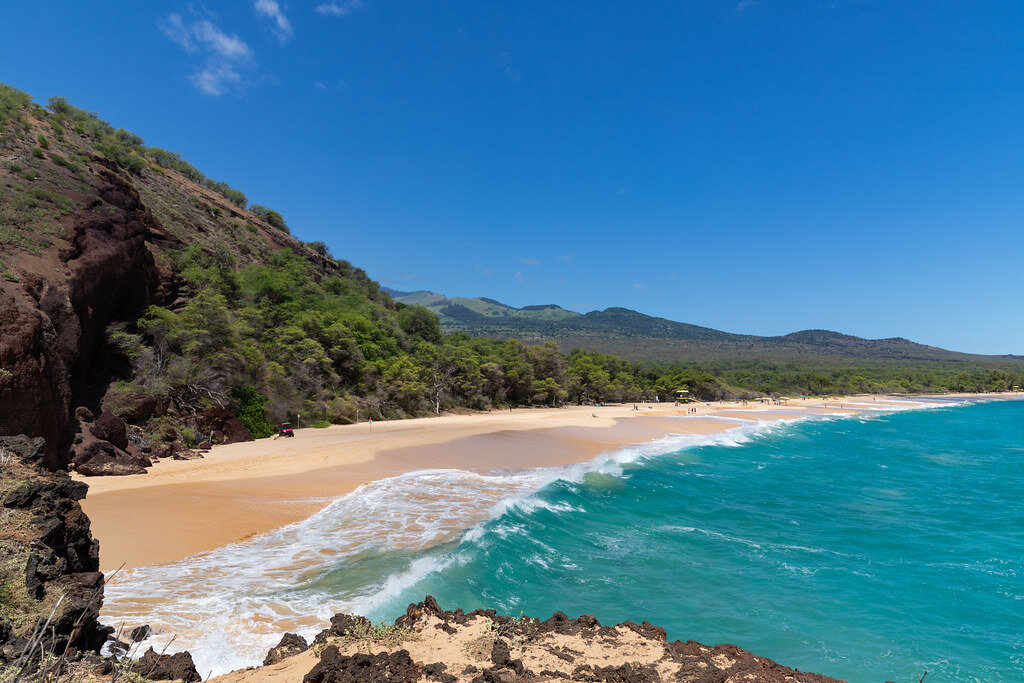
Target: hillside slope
<point x="95" y="229"/>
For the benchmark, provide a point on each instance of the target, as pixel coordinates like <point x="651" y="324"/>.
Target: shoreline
<point x="239" y="491"/>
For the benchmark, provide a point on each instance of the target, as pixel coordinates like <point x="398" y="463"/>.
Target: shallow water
<point x="868" y="547"/>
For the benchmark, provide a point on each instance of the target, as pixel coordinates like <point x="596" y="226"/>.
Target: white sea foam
<point x="230" y="605"/>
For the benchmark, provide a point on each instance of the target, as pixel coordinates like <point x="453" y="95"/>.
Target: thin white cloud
<point x="511" y="72"/>
<point x="339" y="8"/>
<point x="639" y="286"/>
<point x="744" y="5"/>
<point x="224" y="56"/>
<point x="320" y="85"/>
<point x="530" y="262"/>
<point x="272" y="11"/>
<point x="216" y="79"/>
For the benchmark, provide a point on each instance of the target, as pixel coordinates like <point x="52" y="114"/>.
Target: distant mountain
<point x="634" y="335"/>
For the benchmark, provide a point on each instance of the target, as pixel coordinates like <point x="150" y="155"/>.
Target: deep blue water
<point x="867" y="548"/>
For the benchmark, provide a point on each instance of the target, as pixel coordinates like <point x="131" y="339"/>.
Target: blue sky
<point x="759" y="166"/>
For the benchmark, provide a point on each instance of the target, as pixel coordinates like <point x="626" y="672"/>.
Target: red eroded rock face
<point x="53" y="349"/>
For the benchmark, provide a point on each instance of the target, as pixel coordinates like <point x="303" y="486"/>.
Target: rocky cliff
<point x="49" y="561"/>
<point x="86" y="243"/>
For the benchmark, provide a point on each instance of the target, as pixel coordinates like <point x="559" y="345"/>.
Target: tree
<point x="270" y="216"/>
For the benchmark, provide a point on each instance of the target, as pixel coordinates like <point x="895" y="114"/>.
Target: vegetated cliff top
<point x="58" y="162"/>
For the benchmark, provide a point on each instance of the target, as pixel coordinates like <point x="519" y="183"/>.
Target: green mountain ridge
<point x="635" y="335"/>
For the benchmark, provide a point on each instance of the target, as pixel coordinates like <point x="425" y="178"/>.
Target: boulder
<point x="290" y="645"/>
<point x="106" y="465"/>
<point x="83" y="414"/>
<point x="138" y="407"/>
<point x="234" y="431"/>
<point x="109" y="427"/>
<point x="94" y="457"/>
<point x="157" y="667"/>
<point x="335" y="667"/>
<point x="140" y="633"/>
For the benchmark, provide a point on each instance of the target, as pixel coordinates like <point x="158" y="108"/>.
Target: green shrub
<point x="270" y="216"/>
<point x="43" y="142"/>
<point x="187" y="436"/>
<point x="13" y="103"/>
<point x="236" y="197"/>
<point x="252" y="411"/>
<point x="321" y="424"/>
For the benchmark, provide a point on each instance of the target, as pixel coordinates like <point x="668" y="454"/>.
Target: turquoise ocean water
<point x="867" y="548"/>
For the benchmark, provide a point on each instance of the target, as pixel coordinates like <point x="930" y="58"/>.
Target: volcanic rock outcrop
<point x="428" y="643"/>
<point x="49" y="560"/>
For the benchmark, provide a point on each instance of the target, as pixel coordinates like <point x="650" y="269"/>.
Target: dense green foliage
<point x="274" y="341"/>
<point x="252" y="411"/>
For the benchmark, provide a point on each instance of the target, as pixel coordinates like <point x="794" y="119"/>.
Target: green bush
<point x="236" y="197"/>
<point x="252" y="412"/>
<point x="270" y="216"/>
<point x="13" y="103"/>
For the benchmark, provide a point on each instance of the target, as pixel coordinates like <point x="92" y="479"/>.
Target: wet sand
<point x="240" y="490"/>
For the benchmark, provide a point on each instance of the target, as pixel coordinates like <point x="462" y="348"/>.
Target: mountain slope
<point x="633" y="335"/>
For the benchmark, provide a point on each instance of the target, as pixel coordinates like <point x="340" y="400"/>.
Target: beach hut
<point x="683" y="396"/>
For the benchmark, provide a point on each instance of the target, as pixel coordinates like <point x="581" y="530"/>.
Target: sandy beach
<point x="240" y="490"/>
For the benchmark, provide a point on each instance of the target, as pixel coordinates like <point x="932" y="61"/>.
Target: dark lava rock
<point x="340" y="625"/>
<point x="290" y="645"/>
<point x="156" y="667"/>
<point x="95" y="456"/>
<point x="140" y="633"/>
<point x="138" y="408"/>
<point x="436" y="672"/>
<point x="234" y="431"/>
<point x="334" y="667"/>
<point x="104" y="464"/>
<point x="83" y="414"/>
<point x="62" y="557"/>
<point x="647" y="630"/>
<point x="627" y="673"/>
<point x="109" y="427"/>
<point x="31" y="451"/>
<point x="729" y="662"/>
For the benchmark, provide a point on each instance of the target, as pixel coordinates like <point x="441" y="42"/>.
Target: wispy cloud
<point x="224" y="56"/>
<point x="744" y="5"/>
<point x="639" y="286"/>
<point x="339" y="8"/>
<point x="511" y="72"/>
<point x="530" y="262"/>
<point x="566" y="258"/>
<point x="272" y="11"/>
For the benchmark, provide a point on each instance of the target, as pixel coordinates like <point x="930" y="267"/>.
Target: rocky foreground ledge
<point x="432" y="644"/>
